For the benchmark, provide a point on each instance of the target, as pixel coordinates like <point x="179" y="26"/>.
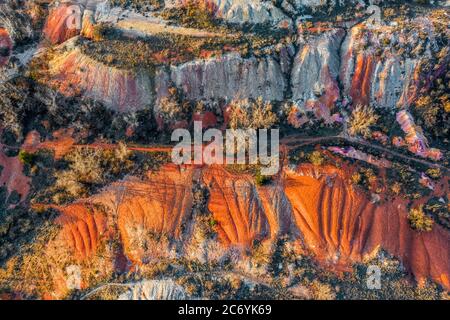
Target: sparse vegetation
<point x="90" y="168"/>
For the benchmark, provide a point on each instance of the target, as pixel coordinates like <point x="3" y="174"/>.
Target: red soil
<point x="208" y="119"/>
<point x="159" y="205"/>
<point x="61" y="144"/>
<point x="330" y="218"/>
<point x="122" y="90"/>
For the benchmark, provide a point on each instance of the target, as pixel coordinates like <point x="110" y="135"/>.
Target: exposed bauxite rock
<point x="235" y="205"/>
<point x="316" y="68"/>
<point x="340" y="225"/>
<point x="230" y="77"/>
<point x="123" y="90"/>
<point x="315" y="205"/>
<point x="154" y="290"/>
<point x="243" y="211"/>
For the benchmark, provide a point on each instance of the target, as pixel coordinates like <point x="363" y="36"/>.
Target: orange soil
<point x="315" y="204"/>
<point x="74" y="73"/>
<point x="235" y="205"/>
<point x="160" y="205"/>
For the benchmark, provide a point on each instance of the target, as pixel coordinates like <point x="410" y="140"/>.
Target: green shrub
<point x="260" y="179"/>
<point x="25" y="157"/>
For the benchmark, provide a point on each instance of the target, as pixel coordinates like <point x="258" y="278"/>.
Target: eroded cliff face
<point x="341" y="225"/>
<point x="63" y="22"/>
<point x="230" y="77"/>
<point x="242" y="12"/>
<point x="316" y="68"/>
<point x="312" y="205"/>
<point x="74" y="73"/>
<point x="383" y="66"/>
<point x="83" y="227"/>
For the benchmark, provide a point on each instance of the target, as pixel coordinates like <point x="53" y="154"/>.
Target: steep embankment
<point x="340" y="225"/>
<point x="83" y="227"/>
<point x="63" y="22"/>
<point x="75" y="73"/>
<point x="230" y="76"/>
<point x="146" y="210"/>
<point x="315" y="205"/>
<point x="384" y="66"/>
<point x="315" y="70"/>
<point x="241" y="11"/>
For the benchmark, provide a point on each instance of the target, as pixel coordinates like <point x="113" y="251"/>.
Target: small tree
<point x="25" y="157"/>
<point x="84" y="169"/>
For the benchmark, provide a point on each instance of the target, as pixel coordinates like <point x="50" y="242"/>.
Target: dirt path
<point x="293" y="142"/>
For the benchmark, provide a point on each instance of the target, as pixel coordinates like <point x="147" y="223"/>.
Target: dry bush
<point x="88" y="168"/>
<point x="170" y="109"/>
<point x="248" y="114"/>
<point x="362" y="118"/>
<point x="84" y="169"/>
<point x="322" y="291"/>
